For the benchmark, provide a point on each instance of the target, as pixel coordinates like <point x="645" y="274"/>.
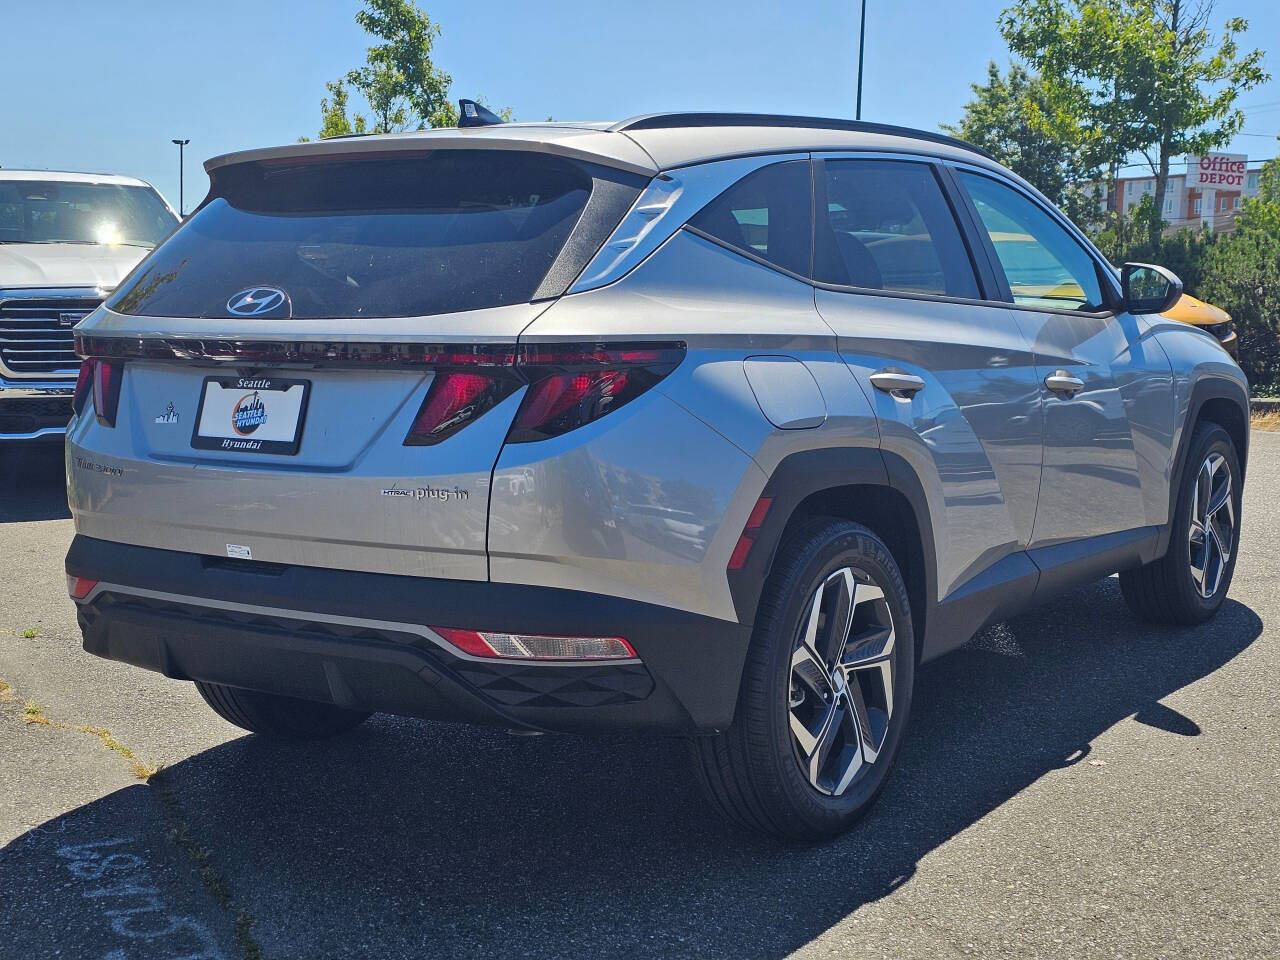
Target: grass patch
<point x="142" y="770"/>
<point x="33" y="715"/>
<point x="1269" y="421"/>
<point x="214" y="882"/>
<point x="30" y="633"/>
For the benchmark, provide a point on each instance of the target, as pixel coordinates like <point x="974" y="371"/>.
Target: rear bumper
<point x="363" y="641"/>
<point x="34" y="410"/>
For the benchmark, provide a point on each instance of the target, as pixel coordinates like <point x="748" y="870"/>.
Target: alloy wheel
<point x="1213" y="524"/>
<point x="841" y="684"/>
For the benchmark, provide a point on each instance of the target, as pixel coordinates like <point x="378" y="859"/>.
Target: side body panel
<point x="972" y="435"/>
<point x="1095" y="439"/>
<point x="661" y="490"/>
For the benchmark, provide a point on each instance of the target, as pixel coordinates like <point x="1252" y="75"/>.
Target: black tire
<point x="276" y="716"/>
<point x="755" y="772"/>
<point x="1166" y="591"/>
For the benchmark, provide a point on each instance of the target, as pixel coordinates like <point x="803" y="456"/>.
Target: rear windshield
<point x="50" y="211"/>
<point x="451" y="230"/>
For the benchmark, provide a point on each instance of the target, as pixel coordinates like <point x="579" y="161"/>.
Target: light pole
<point x="182" y="210"/>
<point x="862" y="35"/>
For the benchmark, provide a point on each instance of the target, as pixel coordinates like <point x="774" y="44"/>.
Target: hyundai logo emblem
<point x="256" y="301"/>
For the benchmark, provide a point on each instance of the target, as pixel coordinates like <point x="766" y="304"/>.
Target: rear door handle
<point x="896" y="383"/>
<point x="1064" y="383"/>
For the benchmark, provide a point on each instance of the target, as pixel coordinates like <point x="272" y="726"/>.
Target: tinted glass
<point x="767" y="213"/>
<point x="1044" y="265"/>
<point x="889" y="227"/>
<point x="40" y="211"/>
<point x="453" y="230"/>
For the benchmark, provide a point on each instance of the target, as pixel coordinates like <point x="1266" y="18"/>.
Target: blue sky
<point x="105" y="86"/>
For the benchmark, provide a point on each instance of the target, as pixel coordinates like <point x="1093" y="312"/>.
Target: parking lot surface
<point x="1075" y="783"/>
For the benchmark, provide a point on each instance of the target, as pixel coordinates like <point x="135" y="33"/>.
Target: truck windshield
<point x="48" y="211"/>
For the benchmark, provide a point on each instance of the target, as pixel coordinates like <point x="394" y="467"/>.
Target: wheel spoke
<point x="868" y="648"/>
<point x="866" y="739"/>
<point x="838" y="601"/>
<point x="825" y="741"/>
<point x="1222" y="541"/>
<point x="1220" y="496"/>
<point x="809" y="669"/>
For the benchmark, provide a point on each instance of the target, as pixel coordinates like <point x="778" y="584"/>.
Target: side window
<point x="768" y="213"/>
<point x="1044" y="264"/>
<point x="887" y="226"/>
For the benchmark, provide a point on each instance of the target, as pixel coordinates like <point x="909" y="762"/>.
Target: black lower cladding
<point x="687" y="680"/>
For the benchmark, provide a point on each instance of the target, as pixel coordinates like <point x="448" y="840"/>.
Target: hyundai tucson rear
<point x="707" y="426"/>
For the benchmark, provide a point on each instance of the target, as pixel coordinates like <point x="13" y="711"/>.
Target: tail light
<point x="572" y="385"/>
<point x="84" y="386"/>
<point x="523" y="646"/>
<point x="466" y="385"/>
<point x="107" y="375"/>
<point x="101" y="380"/>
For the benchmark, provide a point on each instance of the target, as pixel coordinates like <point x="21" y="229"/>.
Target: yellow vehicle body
<point x="1206" y="316"/>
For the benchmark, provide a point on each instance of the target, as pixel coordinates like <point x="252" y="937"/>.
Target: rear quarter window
<point x="448" y="231"/>
<point x="768" y="214"/>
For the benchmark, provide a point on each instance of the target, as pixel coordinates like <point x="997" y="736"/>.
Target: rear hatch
<point x="318" y="367"/>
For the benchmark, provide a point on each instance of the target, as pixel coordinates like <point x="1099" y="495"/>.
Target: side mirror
<point x="1148" y="288"/>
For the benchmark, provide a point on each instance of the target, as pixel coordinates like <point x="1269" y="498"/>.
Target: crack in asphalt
<point x="179" y="830"/>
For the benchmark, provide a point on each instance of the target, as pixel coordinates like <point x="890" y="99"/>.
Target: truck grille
<point x="35" y="335"/>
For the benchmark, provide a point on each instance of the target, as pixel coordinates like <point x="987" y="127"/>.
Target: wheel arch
<point x="1213" y="399"/>
<point x="866" y="485"/>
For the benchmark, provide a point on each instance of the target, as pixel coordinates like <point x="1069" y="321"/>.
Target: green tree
<point x="1262" y="212"/>
<point x="334" y="121"/>
<point x="1007" y="118"/>
<point x="401" y="84"/>
<point x="1136" y="76"/>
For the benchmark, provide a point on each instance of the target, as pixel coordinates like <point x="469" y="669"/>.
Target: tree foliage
<point x="334" y="121"/>
<point x="399" y="81"/>
<point x="1136" y="76"/>
<point x="1006" y="117"/>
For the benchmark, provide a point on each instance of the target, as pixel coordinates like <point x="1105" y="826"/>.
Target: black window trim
<point x="990" y="280"/>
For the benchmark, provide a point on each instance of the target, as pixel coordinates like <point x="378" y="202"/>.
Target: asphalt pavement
<point x="1075" y="783"/>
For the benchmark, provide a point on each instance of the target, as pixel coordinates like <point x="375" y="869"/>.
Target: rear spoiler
<point x="586" y="144"/>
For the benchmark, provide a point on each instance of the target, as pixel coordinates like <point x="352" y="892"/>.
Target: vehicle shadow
<point x="32" y="483"/>
<point x="408" y="838"/>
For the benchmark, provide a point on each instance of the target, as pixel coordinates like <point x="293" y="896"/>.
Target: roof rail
<point x="668" y="121"/>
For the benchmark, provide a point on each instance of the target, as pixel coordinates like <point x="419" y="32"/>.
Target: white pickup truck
<point x="66" y="241"/>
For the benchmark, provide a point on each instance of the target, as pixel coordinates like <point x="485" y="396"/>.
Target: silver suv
<point x="710" y="425"/>
<point x="66" y="240"/>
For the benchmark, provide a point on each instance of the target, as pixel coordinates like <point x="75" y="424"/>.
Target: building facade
<point x="1202" y="191"/>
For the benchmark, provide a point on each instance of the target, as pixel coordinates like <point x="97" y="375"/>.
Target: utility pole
<point x="862" y="36"/>
<point x="181" y="144"/>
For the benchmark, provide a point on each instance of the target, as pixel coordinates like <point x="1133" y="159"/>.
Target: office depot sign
<point x="1219" y="170"/>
